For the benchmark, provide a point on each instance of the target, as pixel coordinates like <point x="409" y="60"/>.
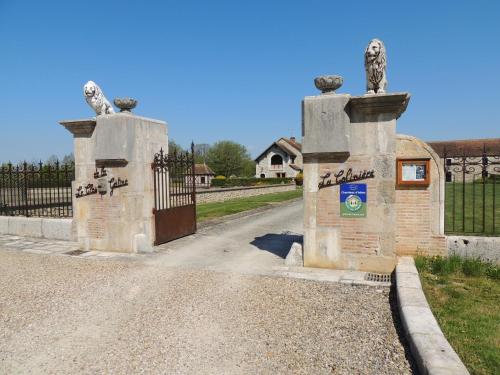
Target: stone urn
<point x="328" y="84"/>
<point x="125" y="104"/>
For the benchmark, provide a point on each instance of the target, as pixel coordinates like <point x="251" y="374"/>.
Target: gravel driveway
<point x="61" y="314"/>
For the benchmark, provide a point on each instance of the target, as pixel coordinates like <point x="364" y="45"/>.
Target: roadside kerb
<point x="37" y="227"/>
<point x="431" y="351"/>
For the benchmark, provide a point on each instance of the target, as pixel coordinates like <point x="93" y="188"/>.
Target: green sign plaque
<point x="353" y="200"/>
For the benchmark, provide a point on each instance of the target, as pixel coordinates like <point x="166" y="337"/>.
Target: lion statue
<point x="375" y="64"/>
<point x="96" y="99"/>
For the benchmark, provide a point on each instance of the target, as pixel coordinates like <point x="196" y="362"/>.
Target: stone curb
<point x="431" y="351"/>
<point x="37" y="227"/>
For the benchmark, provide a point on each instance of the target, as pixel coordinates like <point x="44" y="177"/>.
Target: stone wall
<point x="486" y="248"/>
<point x="221" y="195"/>
<point x="37" y="227"/>
<point x="420" y="210"/>
<point x="64" y="229"/>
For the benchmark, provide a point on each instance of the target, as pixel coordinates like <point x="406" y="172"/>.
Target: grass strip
<point x="464" y="296"/>
<point x="212" y="210"/>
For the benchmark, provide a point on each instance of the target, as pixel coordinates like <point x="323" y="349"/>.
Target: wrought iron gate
<point x="472" y="193"/>
<point x="175" y="195"/>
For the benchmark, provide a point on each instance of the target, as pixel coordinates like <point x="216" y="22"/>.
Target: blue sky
<point x="238" y="70"/>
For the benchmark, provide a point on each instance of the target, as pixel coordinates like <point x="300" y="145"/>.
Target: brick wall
<point x="358" y="236"/>
<point x="413" y="228"/>
<point x="418" y="226"/>
<point x="413" y="224"/>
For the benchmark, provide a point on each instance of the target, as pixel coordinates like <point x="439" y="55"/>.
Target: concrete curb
<point x="431" y="351"/>
<point x="37" y="227"/>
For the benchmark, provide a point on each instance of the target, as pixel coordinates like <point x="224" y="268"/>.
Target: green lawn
<point x="464" y="295"/>
<point x="476" y="201"/>
<point x="206" y="211"/>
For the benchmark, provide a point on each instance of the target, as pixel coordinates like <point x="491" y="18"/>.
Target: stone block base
<point x="358" y="262"/>
<point x="37" y="227"/>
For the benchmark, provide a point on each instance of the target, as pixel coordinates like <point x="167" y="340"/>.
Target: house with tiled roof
<point x="467" y="147"/>
<point x="203" y="176"/>
<point x="472" y="149"/>
<point x="282" y="158"/>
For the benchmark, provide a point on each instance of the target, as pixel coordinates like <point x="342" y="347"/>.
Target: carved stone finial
<point x="96" y="99"/>
<point x="328" y="84"/>
<point x="125" y="104"/>
<point x="375" y="66"/>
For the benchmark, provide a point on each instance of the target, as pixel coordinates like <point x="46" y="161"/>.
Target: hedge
<point x="233" y="182"/>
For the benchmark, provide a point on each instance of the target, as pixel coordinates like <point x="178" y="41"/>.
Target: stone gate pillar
<point x="349" y="150"/>
<point x="113" y="193"/>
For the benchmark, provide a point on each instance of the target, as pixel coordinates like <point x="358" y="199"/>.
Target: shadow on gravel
<point x="396" y="320"/>
<point x="278" y="244"/>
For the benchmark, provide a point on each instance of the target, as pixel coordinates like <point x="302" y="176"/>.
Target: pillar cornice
<point x="376" y="104"/>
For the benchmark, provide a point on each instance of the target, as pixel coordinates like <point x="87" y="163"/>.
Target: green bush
<point x="438" y="266"/>
<point x="299" y="179"/>
<point x="493" y="272"/>
<point x="455" y="264"/>
<point x="234" y="182"/>
<point x="422" y="263"/>
<point x="473" y="267"/>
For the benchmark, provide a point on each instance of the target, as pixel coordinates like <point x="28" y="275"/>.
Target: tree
<point x="227" y="158"/>
<point x="52" y="160"/>
<point x="174" y="147"/>
<point x="248" y="168"/>
<point x="200" y="152"/>
<point x="68" y="159"/>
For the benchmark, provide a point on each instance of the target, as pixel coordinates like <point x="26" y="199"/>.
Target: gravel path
<point x="61" y="315"/>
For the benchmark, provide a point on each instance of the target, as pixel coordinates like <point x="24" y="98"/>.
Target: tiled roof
<point x="467" y="147"/>
<point x="290" y="146"/>
<point x="293" y="143"/>
<point x="203" y="169"/>
<point x="267" y="149"/>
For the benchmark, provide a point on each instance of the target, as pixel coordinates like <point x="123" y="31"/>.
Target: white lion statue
<point x="375" y="64"/>
<point x="96" y="99"/>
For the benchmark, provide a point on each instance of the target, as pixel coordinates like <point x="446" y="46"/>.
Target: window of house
<point x="276" y="160"/>
<point x="262" y="175"/>
<point x="203" y="179"/>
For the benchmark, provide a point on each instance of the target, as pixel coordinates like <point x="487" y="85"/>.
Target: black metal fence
<point x="472" y="194"/>
<point x="36" y="189"/>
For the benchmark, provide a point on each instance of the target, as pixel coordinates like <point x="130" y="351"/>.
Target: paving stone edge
<point x="431" y="351"/>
